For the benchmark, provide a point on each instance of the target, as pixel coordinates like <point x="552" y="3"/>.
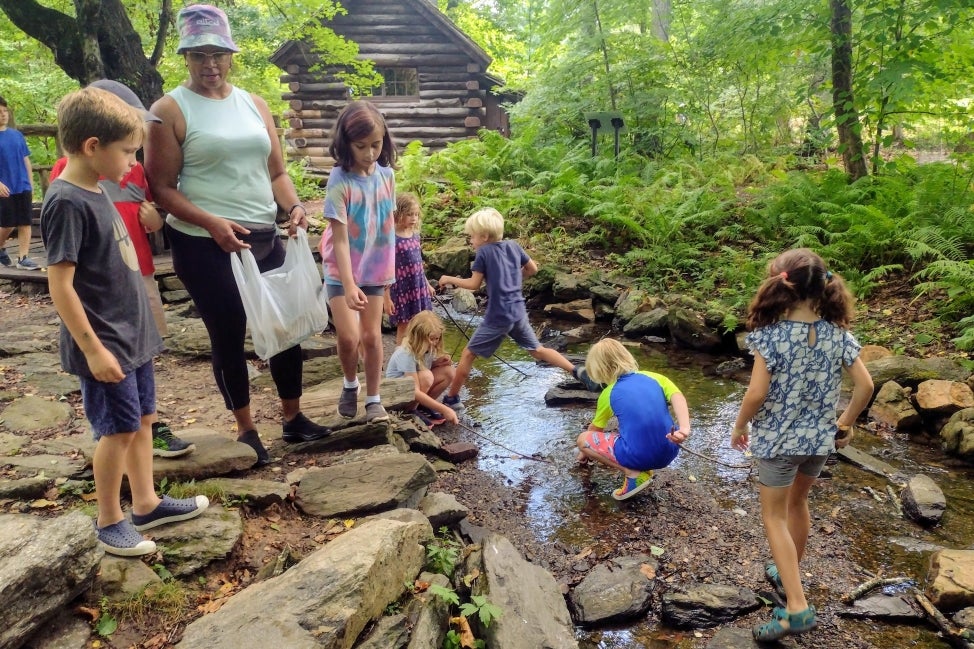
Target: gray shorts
<point x="780" y="471"/>
<point x="487" y="338"/>
<point x="337" y="290"/>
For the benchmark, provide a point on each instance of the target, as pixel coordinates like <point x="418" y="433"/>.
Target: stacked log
<point x="449" y="105"/>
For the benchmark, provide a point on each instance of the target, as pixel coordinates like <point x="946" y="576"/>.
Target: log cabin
<point x="436" y="86"/>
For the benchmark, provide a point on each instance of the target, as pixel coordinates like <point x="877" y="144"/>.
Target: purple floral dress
<point x="410" y="293"/>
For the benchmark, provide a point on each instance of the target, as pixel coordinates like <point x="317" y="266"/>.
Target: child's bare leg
<point x="108" y="466"/>
<point x="467" y="358"/>
<point x="551" y="357"/>
<point x="401" y="332"/>
<point x="774" y="513"/>
<point x="347" y="335"/>
<point x="441" y="376"/>
<point x="138" y="467"/>
<point x="372" y="344"/>
<point x="591" y="454"/>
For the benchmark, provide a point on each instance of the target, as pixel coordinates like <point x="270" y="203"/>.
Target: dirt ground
<point x="704" y="541"/>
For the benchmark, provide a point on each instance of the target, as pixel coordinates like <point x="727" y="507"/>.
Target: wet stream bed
<point x="703" y="516"/>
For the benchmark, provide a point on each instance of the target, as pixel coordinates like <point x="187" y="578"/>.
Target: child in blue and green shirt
<point x="647" y="438"/>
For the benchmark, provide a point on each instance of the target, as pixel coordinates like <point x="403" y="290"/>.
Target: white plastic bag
<point x="284" y="305"/>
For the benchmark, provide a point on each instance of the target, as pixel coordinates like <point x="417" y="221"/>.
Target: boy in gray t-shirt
<point x="108" y="336"/>
<point x="501" y="264"/>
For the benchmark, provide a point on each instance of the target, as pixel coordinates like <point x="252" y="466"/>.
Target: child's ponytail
<point x="836" y="303"/>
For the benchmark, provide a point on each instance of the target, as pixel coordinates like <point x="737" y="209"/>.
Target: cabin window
<point x="397" y="82"/>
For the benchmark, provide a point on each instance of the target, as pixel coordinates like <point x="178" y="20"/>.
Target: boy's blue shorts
<point x="119" y="407"/>
<point x="487" y="338"/>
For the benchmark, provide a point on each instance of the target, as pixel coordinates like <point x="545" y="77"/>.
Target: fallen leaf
<point x="90" y="611"/>
<point x="43" y="503"/>
<point x="648" y="571"/>
<point x="349" y="523"/>
<point x="584" y="553"/>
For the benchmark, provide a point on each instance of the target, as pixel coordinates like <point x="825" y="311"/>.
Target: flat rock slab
<point x="28" y="414"/>
<point x="215" y="455"/>
<point x="258" y="493"/>
<point x="365" y="487"/>
<point x="50" y="466"/>
<point x="191" y="545"/>
<point x="867" y="462"/>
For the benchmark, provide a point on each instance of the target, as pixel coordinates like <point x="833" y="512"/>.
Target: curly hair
<point x="795" y="276"/>
<point x="421" y="328"/>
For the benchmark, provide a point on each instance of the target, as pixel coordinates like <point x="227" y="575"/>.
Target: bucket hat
<point x="201" y="25"/>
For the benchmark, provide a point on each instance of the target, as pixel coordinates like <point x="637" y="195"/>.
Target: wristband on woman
<point x="294" y="207"/>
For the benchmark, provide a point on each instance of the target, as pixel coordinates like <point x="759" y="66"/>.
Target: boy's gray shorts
<point x="487" y="338"/>
<point x="780" y="471"/>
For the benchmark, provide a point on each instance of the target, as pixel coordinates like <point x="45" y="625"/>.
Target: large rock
<point x="910" y="372"/>
<point x="46" y="564"/>
<point x="620" y="589"/>
<point x="957" y="436"/>
<point x="326" y="600"/>
<point x="950" y="579"/>
<point x="452" y="258"/>
<point x="923" y="501"/>
<point x="576" y="311"/>
<point x="568" y="287"/>
<point x="944" y="398"/>
<point x="365" y="487"/>
<point x="194" y="544"/>
<point x="648" y="323"/>
<point x="533" y="610"/>
<point x="893" y="407"/>
<point x="701" y="606"/>
<point x="689" y="330"/>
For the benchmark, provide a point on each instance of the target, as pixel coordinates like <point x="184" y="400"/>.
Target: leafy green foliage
<point x="442" y="552"/>
<point x="482" y="608"/>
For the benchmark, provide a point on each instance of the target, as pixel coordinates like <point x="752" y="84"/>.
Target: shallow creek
<point x="506" y="398"/>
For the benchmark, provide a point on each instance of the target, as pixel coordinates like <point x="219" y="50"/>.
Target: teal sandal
<point x="775" y="630"/>
<point x="771" y="574"/>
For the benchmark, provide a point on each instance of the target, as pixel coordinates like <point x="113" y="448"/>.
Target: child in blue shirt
<point x="647" y="438"/>
<point x="500" y="264"/>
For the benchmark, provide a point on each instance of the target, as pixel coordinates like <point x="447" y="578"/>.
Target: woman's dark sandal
<point x="783" y="623"/>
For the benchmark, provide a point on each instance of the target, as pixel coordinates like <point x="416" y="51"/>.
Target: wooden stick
<point x="875" y="582"/>
<point x="956" y="636"/>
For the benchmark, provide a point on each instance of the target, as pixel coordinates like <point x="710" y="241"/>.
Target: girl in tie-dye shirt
<point x="358" y="248"/>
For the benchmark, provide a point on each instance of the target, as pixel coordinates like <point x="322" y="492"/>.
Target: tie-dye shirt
<point x="798" y="415"/>
<point x="365" y="204"/>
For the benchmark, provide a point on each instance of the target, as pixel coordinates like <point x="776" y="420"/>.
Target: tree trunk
<point x="846" y="117"/>
<point x="662" y="17"/>
<point x="100" y="43"/>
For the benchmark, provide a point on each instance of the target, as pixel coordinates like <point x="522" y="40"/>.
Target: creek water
<point x="504" y="400"/>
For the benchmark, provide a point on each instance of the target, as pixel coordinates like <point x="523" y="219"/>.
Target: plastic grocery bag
<point x="284" y="305"/>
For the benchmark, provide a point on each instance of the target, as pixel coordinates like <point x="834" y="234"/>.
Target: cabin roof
<point x="292" y="49"/>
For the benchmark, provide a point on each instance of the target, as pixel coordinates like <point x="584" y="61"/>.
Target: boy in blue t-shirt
<point x="501" y="264"/>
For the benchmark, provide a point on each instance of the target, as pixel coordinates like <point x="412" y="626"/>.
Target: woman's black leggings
<point x="204" y="269"/>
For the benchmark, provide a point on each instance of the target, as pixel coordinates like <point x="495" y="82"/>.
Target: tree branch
<point x="165" y="19"/>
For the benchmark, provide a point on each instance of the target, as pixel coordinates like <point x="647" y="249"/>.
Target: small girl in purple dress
<point x="411" y="291"/>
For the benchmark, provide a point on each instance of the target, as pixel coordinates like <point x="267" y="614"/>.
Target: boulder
<point x="576" y="311"/>
<point x="910" y="372"/>
<point x="943" y="398"/>
<point x="46" y="564"/>
<point x="453" y="257"/>
<point x="957" y="436"/>
<point x="651" y="323"/>
<point x="568" y="287"/>
<point x="620" y="589"/>
<point x="702" y="606"/>
<point x="689" y="330"/>
<point x="893" y="407"/>
<point x="533" y="610"/>
<point x="923" y="501"/>
<point x="327" y="599"/>
<point x="950" y="579"/>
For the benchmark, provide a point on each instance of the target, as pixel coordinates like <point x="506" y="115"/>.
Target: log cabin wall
<point x="436" y="80"/>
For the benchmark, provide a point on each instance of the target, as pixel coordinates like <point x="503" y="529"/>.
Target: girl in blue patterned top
<point x="411" y="293"/>
<point x="798" y="322"/>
